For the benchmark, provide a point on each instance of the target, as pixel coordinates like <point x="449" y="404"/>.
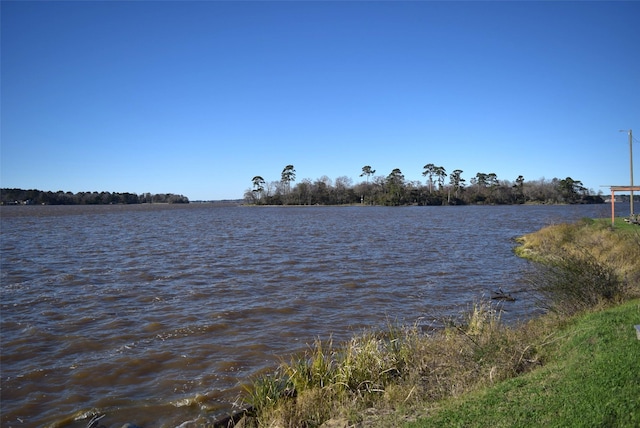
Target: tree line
<point x="39" y="197"/>
<point x="439" y="188"/>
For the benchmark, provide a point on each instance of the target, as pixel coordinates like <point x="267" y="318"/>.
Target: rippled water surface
<point x="155" y="315"/>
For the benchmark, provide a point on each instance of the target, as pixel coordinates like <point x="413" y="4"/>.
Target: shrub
<point x="575" y="282"/>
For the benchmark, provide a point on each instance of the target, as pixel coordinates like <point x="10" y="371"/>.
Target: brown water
<point x="156" y="315"/>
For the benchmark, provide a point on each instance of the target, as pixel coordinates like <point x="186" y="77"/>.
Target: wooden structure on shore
<point x="615" y="189"/>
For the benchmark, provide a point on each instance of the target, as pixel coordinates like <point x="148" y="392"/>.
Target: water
<point x="156" y="315"/>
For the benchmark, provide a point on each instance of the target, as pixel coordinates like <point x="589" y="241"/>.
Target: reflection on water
<point x="156" y="315"/>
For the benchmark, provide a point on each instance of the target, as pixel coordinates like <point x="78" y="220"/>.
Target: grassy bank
<point x="591" y="377"/>
<point x="618" y="248"/>
<point x="478" y="365"/>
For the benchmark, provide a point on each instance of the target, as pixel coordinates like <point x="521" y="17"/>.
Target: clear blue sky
<point x="196" y="98"/>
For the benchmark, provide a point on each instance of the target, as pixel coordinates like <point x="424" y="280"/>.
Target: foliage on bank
<point x="40" y="197"/>
<point x="398" y="368"/>
<point x="584" y="264"/>
<point x="386" y="378"/>
<point x="394" y="189"/>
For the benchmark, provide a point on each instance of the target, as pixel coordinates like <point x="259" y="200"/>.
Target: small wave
<point x="199" y="400"/>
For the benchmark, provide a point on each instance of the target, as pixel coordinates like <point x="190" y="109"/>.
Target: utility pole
<point x="631" y="167"/>
<point x="631" y="170"/>
<point x="632" y="212"/>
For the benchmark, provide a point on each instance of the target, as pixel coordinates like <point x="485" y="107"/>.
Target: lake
<point x="157" y="314"/>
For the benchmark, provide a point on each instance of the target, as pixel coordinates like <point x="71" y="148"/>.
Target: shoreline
<point x="480" y="326"/>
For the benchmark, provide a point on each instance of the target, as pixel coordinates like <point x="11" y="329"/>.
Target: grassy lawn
<point x="621" y="225"/>
<point x="591" y="378"/>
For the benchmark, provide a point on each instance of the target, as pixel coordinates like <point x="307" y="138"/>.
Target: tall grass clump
<point x="265" y="392"/>
<point x="328" y="379"/>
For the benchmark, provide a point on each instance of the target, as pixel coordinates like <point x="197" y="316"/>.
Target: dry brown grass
<point x="583" y="265"/>
<point x="618" y="249"/>
<point x="398" y="369"/>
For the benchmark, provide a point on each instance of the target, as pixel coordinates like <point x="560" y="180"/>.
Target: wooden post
<point x="620" y="189"/>
<point x="613" y="216"/>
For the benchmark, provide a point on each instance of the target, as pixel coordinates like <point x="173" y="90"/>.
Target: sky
<point x="197" y="98"/>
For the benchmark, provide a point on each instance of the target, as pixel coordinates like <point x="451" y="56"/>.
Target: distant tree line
<point x="39" y="197"/>
<point x="439" y="188"/>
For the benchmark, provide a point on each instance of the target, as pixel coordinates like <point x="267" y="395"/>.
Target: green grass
<point x="591" y="379"/>
<point x="620" y="225"/>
